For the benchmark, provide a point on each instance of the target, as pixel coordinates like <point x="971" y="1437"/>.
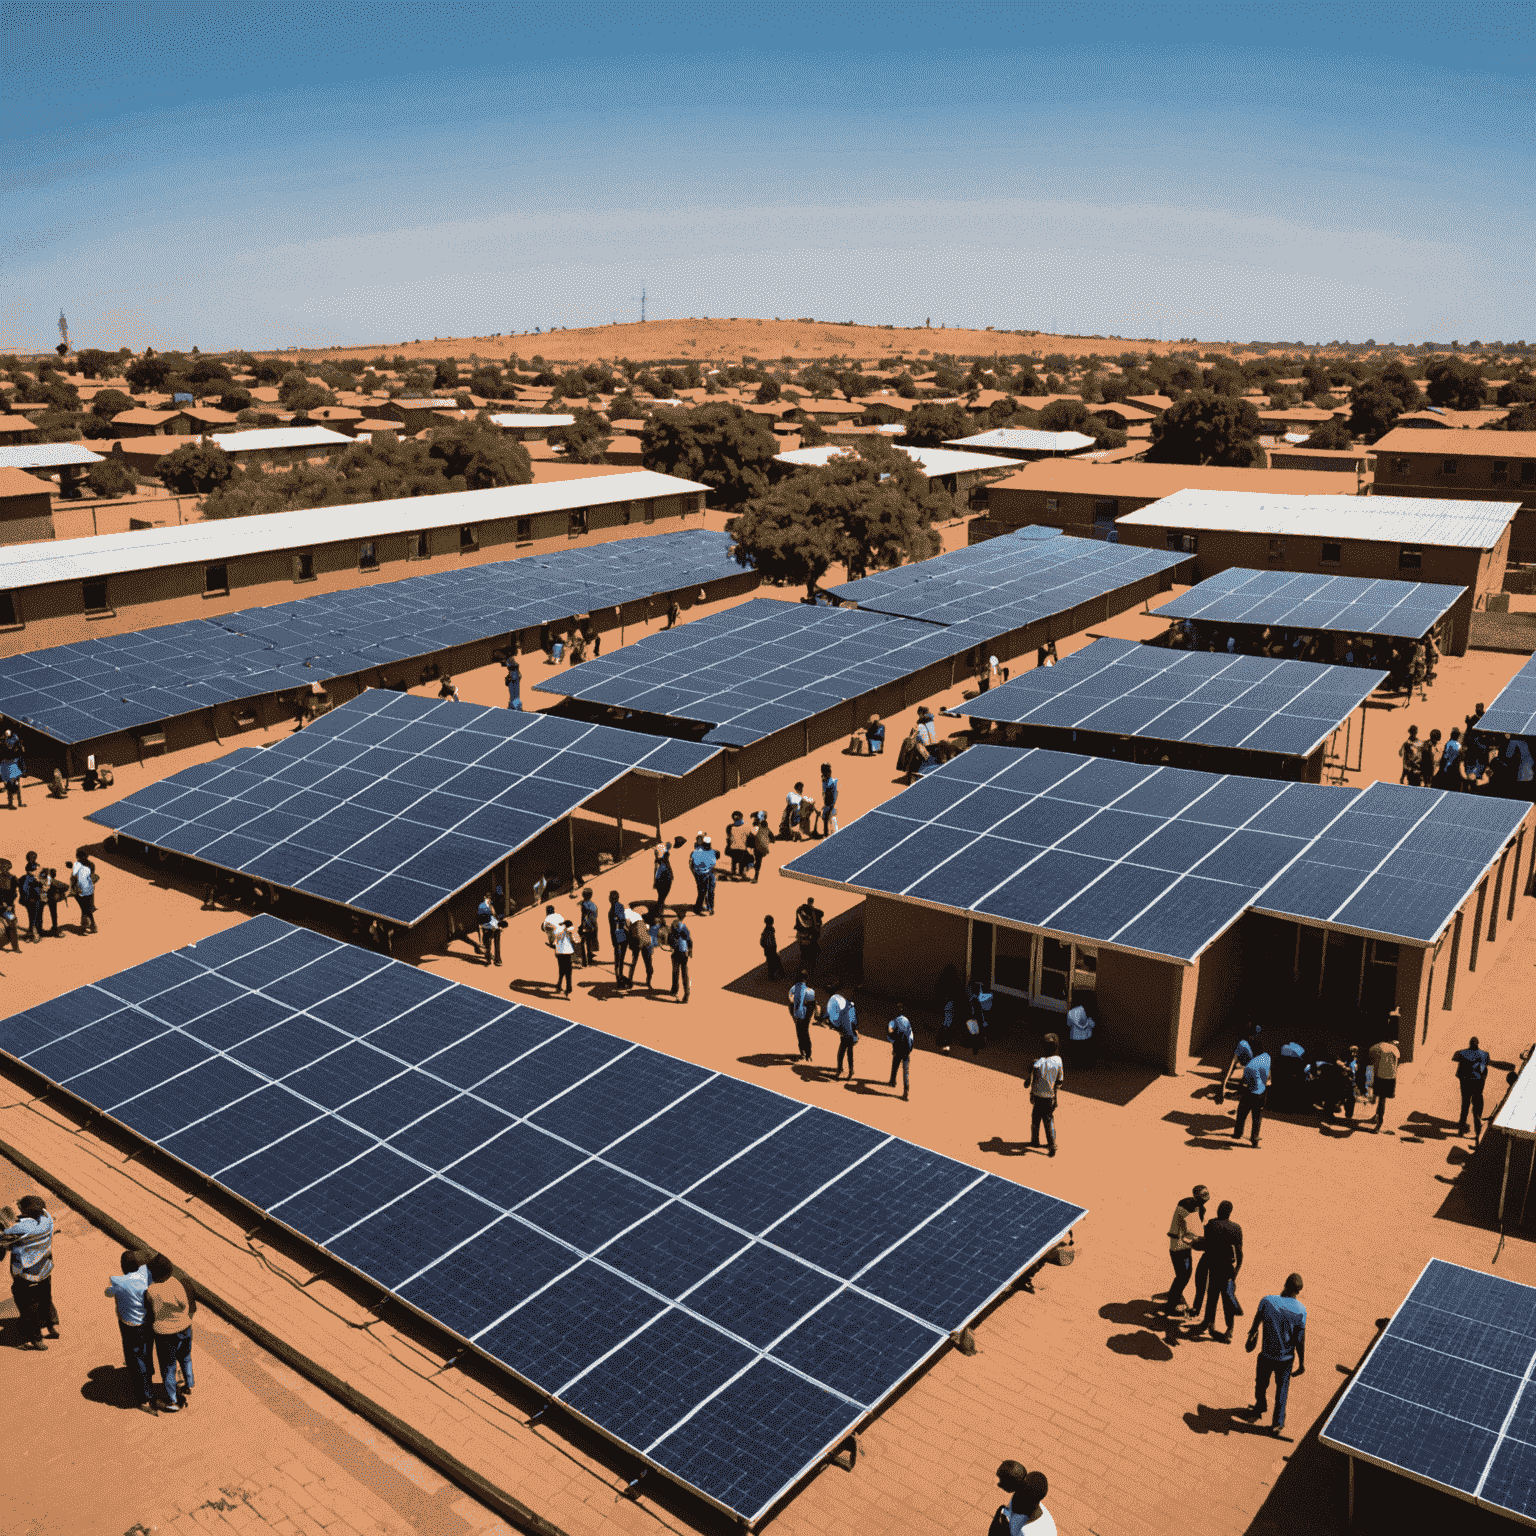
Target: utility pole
<point x="642" y="304"/>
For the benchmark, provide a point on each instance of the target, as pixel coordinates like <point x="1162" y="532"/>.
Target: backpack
<point x="681" y="944"/>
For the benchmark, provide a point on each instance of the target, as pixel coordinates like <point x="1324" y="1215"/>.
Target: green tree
<point x="234" y="397"/>
<point x="111" y="477"/>
<point x="96" y="364"/>
<point x="624" y="407"/>
<point x="721" y="446"/>
<point x="1397" y="381"/>
<point x="111" y="402"/>
<point x="1519" y="390"/>
<point x="267" y="370"/>
<point x="1331" y="434"/>
<point x="584" y="440"/>
<point x="1207" y="428"/>
<point x="768" y="392"/>
<point x="931" y="426"/>
<point x="480" y="455"/>
<point x="1455" y="385"/>
<point x="194" y="469"/>
<point x="1373" y="408"/>
<point x="147" y="372"/>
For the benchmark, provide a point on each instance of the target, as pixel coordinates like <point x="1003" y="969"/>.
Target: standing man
<point x="844" y="1018"/>
<point x="828" y="801"/>
<point x="802" y="1009"/>
<point x="30" y="1241"/>
<point x="736" y="846"/>
<point x="586" y="929"/>
<point x="808" y="934"/>
<point x="1471" y="1074"/>
<point x="701" y="864"/>
<point x="1223" y="1260"/>
<point x="1242" y="1054"/>
<point x="1181" y="1245"/>
<point x="171" y="1309"/>
<point x="82" y="882"/>
<point x="1255" y="1086"/>
<point x="514" y="685"/>
<point x="639" y="947"/>
<point x="900" y="1031"/>
<point x="618" y="931"/>
<point x="682" y="953"/>
<point x="1383" y="1070"/>
<point x="490" y="929"/>
<point x="1409" y="753"/>
<point x="769" y="939"/>
<point x="1045" y="1079"/>
<point x="565" y="958"/>
<point x="1283" y="1320"/>
<point x="133" y="1323"/>
<point x="661" y="874"/>
<point x="672" y="614"/>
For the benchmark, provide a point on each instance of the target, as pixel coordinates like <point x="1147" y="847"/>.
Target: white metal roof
<point x="46" y="456"/>
<point x="932" y="461"/>
<point x="262" y="438"/>
<point x="1415" y="520"/>
<point x="1024" y="440"/>
<point x="1517" y="1114"/>
<point x="531" y="419"/>
<point x="110" y="554"/>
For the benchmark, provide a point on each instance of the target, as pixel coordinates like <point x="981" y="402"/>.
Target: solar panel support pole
<point x="1498" y="896"/>
<point x="1509" y="1142"/>
<point x="970" y="923"/>
<point x="1514" y="877"/>
<point x="1349" y="1514"/>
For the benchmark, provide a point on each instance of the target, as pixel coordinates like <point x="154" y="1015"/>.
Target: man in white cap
<point x="701" y="862"/>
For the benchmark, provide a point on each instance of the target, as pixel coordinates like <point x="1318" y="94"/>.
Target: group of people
<point x="154" y="1305"/>
<point x="1473" y="761"/>
<point x="1279" y="1321"/>
<point x="803" y="816"/>
<point x="841" y="1015"/>
<point x="38" y="892"/>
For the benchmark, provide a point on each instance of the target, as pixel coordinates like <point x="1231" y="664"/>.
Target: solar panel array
<point x="1513" y="712"/>
<point x="719" y="1278"/>
<point x="1446" y="1395"/>
<point x="1008" y="582"/>
<point x="1398" y="862"/>
<point x="1164" y="860"/>
<point x="93" y="688"/>
<point x="390" y="804"/>
<point x="760" y="667"/>
<point x="1213" y="699"/>
<point x="1353" y="605"/>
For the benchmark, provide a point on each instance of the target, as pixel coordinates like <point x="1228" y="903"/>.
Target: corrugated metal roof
<point x="1391" y="519"/>
<point x="46" y="455"/>
<point x="1024" y="440"/>
<point x="277" y="437"/>
<point x="35" y="565"/>
<point x="932" y="461"/>
<point x="531" y="419"/>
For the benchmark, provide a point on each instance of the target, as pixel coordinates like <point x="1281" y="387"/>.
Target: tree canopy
<point x="1207" y="428"/>
<point x="931" y="426"/>
<point x="1520" y="390"/>
<point x="1372" y="409"/>
<point x="867" y="509"/>
<point x="721" y="446"/>
<point x="194" y="469"/>
<point x="111" y="477"/>
<point x="585" y="441"/>
<point x="1455" y="385"/>
<point x="1331" y="434"/>
<point x="96" y="364"/>
<point x="109" y="402"/>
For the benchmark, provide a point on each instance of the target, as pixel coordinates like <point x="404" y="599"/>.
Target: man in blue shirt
<point x="682" y="953"/>
<point x="844" y="1018"/>
<point x="828" y="801"/>
<point x="702" y="864"/>
<point x="490" y="929"/>
<point x="1255" y="1086"/>
<point x="802" y="1008"/>
<point x="900" y="1031"/>
<point x="1471" y="1073"/>
<point x="586" y="929"/>
<point x="618" y="931"/>
<point x="134" y="1323"/>
<point x="1283" y="1320"/>
<point x="1241" y="1056"/>
<point x="30" y="1241"/>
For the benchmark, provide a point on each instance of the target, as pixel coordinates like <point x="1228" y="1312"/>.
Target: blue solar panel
<point x="1513" y="711"/>
<point x="391" y="830"/>
<point x="1353" y="605"/>
<point x="92" y="688"/>
<point x="718" y="1277"/>
<point x="1445" y="1394"/>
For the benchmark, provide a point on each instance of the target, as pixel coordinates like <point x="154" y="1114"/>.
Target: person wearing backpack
<point x="760" y="842"/>
<point x="682" y="953"/>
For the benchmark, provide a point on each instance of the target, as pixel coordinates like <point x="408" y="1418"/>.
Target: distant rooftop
<point x="46" y="455"/>
<point x="1024" y="440"/>
<point x="266" y="438"/>
<point x="932" y="461"/>
<point x="531" y="419"/>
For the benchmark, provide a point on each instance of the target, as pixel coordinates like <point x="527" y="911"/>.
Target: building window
<point x="1448" y="466"/>
<point x="1410" y="559"/>
<point x="1182" y="543"/>
<point x="524" y="530"/>
<point x="1053" y="504"/>
<point x="420" y="545"/>
<point x="467" y="537"/>
<point x="368" y="557"/>
<point x="578" y="522"/>
<point x="1399" y="466"/>
<point x="1527" y="472"/>
<point x="216" y="579"/>
<point x="1277" y="549"/>
<point x="304" y="565"/>
<point x="1501" y="469"/>
<point x="94" y="595"/>
<point x="629" y="512"/>
<point x="9" y="618"/>
<point x="650" y="511"/>
<point x="1331" y="554"/>
<point x="1105" y="509"/>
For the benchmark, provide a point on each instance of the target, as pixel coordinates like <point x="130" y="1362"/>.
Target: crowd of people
<point x="1469" y="760"/>
<point x="39" y="891"/>
<point x="1409" y="664"/>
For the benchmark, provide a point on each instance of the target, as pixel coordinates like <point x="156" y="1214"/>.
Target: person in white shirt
<point x="1025" y="1513"/>
<point x="1046" y="1076"/>
<point x="565" y="957"/>
<point x="82" y="880"/>
<point x="551" y="926"/>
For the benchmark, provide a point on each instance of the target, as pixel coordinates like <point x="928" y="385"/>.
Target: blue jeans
<point x="1183" y="1266"/>
<point x="1281" y="1371"/>
<point x="709" y="890"/>
<point x="1042" y="1112"/>
<point x="517" y="702"/>
<point x="900" y="1057"/>
<point x="171" y="1350"/>
<point x="138" y="1357"/>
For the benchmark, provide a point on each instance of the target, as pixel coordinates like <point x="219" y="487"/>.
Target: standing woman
<point x="171" y="1308"/>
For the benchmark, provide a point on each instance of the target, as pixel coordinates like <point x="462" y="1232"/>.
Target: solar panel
<point x="390" y="804"/>
<point x="1445" y="1395"/>
<point x="1008" y="582"/>
<point x="1513" y="711"/>
<point x="761" y="667"/>
<point x="1355" y="605"/>
<point x="1213" y="699"/>
<point x="94" y="688"/>
<point x="723" y="1280"/>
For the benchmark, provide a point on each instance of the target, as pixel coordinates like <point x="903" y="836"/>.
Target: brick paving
<point x="1082" y="1377"/>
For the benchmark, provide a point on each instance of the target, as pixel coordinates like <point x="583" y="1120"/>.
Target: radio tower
<point x="63" y="334"/>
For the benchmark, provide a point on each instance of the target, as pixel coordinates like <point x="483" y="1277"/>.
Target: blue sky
<point x="277" y="175"/>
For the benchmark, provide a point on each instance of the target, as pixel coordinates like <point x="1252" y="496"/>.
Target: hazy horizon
<point x="386" y="172"/>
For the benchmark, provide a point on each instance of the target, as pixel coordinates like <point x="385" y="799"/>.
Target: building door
<point x="1013" y="967"/>
<point x="1053" y="978"/>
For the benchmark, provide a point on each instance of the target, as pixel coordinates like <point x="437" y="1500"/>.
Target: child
<point x="770" y="943"/>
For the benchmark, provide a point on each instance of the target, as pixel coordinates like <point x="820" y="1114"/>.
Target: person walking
<point x="1222" y="1261"/>
<point x="1046" y="1076"/>
<point x="1025" y="1513"/>
<point x="701" y="864"/>
<point x="1409" y="753"/>
<point x="31" y="893"/>
<point x="737" y="849"/>
<point x="1081" y="1046"/>
<point x="11" y="770"/>
<point x="639" y="947"/>
<point x="618" y="932"/>
<point x="490" y="929"/>
<point x="1449" y="776"/>
<point x="82" y="885"/>
<point x="662" y="874"/>
<point x="828" y="801"/>
<point x="586" y="929"/>
<point x="769" y="940"/>
<point x="29" y="1240"/>
<point x="565" y="957"/>
<point x="171" y="1310"/>
<point x="1429" y="759"/>
<point x="802" y="1009"/>
<point x="127" y="1290"/>
<point x="808" y="934"/>
<point x="1471" y="1074"/>
<point x="682" y="954"/>
<point x="1382" y="1070"/>
<point x="514" y="685"/>
<point x="1283" y="1322"/>
<point x="760" y="842"/>
<point x="844" y="1018"/>
<point x="1251" y="1101"/>
<point x="900" y="1031"/>
<point x="1181" y="1245"/>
